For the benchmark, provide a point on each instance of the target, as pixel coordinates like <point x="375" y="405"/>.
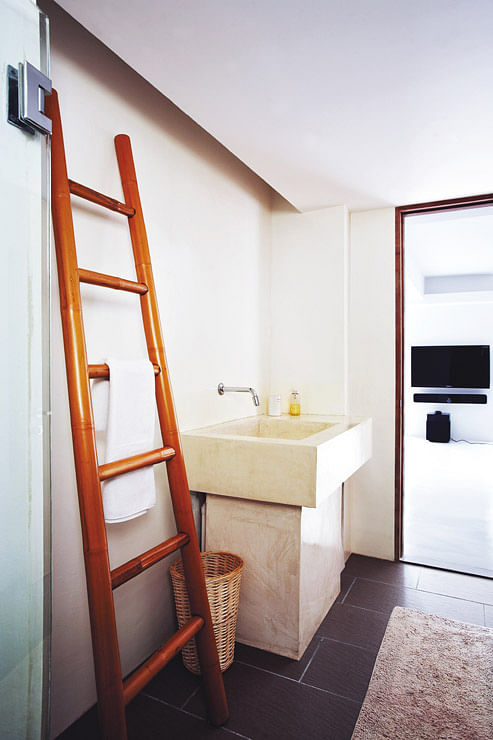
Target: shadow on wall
<point x="80" y="47"/>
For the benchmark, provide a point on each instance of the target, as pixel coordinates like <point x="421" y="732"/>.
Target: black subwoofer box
<point x="438" y="427"/>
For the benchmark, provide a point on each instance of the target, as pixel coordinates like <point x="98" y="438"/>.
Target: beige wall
<point x="372" y="377"/>
<point x="309" y="316"/>
<point x="208" y="220"/>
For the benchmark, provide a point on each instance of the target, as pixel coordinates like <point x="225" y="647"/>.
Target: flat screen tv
<point x="466" y="366"/>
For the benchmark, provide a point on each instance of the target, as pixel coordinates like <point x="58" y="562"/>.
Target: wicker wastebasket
<point x="222" y="572"/>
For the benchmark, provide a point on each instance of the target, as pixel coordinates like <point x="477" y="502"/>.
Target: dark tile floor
<point x="320" y="696"/>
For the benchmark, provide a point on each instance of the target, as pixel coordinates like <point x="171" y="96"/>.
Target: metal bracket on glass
<point x="27" y="87"/>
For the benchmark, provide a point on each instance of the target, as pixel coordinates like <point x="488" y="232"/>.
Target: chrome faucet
<point x="222" y="389"/>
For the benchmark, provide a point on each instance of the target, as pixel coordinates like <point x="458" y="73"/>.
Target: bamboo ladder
<point x="113" y="692"/>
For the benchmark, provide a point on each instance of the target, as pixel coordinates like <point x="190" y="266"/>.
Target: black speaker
<point x="450" y="398"/>
<point x="438" y="427"/>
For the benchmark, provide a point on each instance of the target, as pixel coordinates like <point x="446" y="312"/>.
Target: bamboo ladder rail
<point x="113" y="692"/>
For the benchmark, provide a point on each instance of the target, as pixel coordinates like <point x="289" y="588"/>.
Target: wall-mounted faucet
<point x="222" y="389"/>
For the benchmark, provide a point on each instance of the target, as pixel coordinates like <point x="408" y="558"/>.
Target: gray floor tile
<point x="382" y="597"/>
<point x="274" y="663"/>
<point x="355" y="626"/>
<point x="386" y="571"/>
<point x="341" y="669"/>
<point x="267" y="707"/>
<point x="457" y="585"/>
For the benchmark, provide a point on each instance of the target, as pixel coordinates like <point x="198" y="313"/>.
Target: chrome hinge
<point x="27" y="87"/>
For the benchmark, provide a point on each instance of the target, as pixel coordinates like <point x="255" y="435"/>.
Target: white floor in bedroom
<point x="448" y="505"/>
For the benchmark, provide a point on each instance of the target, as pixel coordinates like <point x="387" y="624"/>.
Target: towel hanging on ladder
<point x="125" y="415"/>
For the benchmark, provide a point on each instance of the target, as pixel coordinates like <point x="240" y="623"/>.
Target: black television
<point x="464" y="366"/>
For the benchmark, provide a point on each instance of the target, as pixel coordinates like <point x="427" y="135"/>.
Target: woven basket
<point x="222" y="572"/>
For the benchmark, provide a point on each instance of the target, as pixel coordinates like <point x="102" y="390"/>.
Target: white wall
<point x="333" y="337"/>
<point x="208" y="220"/>
<point x="309" y="311"/>
<point x="448" y="323"/>
<point x="372" y="377"/>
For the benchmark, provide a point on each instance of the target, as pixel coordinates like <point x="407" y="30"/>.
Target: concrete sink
<point x="288" y="460"/>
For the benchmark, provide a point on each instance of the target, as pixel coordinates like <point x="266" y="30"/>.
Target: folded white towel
<point x="125" y="414"/>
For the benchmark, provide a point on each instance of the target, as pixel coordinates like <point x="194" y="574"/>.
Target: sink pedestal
<point x="293" y="558"/>
<point x="274" y="498"/>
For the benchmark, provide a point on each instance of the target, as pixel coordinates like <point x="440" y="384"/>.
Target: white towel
<point x="125" y="413"/>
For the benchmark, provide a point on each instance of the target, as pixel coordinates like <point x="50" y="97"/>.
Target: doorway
<point x="444" y="411"/>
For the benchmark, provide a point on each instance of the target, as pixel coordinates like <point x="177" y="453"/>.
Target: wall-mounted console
<point x="450" y="398"/>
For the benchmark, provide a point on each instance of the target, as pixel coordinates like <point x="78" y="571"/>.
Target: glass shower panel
<point x="24" y="394"/>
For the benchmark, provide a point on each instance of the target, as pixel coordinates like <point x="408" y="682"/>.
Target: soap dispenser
<point x="294" y="404"/>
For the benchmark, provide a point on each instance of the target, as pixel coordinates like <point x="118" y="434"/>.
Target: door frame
<point x="454" y="204"/>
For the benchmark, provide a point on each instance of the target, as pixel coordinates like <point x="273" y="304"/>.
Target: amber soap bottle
<point x="294" y="404"/>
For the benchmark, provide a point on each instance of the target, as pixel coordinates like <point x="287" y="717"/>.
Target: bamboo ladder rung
<point x="137" y="565"/>
<point x="82" y="191"/>
<point x="102" y="371"/>
<point x="111" y="469"/>
<point x="141" y="677"/>
<point x="110" y="281"/>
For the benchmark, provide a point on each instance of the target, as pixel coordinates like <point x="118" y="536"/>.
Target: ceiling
<point x="363" y="102"/>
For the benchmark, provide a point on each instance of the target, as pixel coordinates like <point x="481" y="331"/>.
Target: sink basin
<point x="273" y="428"/>
<point x="290" y="460"/>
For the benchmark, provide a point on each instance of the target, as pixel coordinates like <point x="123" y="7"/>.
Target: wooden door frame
<point x="455" y="204"/>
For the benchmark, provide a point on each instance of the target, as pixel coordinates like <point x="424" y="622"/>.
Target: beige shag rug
<point x="432" y="680"/>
